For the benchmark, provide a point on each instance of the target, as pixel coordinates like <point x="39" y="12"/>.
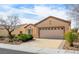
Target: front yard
<point x="71" y="41"/>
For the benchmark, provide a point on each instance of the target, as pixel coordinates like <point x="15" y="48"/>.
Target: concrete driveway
<point x="45" y="43"/>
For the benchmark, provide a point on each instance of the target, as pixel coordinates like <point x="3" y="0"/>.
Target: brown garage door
<point x="52" y="32"/>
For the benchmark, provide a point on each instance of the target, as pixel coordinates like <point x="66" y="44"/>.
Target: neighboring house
<point x="3" y="32"/>
<point x="19" y="28"/>
<point x="50" y="27"/>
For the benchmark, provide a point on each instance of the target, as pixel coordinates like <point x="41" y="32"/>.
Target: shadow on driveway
<point x="8" y="51"/>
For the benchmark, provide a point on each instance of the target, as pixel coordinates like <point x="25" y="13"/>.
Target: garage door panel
<point x="51" y="34"/>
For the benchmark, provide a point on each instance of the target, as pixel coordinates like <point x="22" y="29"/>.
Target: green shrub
<point x="29" y="37"/>
<point x="70" y="37"/>
<point x="24" y="37"/>
<point x="75" y="36"/>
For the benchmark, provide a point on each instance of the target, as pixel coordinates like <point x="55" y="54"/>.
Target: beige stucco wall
<point x="3" y="32"/>
<point x="17" y="31"/>
<point x="34" y="30"/>
<point x="54" y="23"/>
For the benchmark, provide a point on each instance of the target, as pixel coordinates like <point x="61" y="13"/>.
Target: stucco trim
<point x="29" y="25"/>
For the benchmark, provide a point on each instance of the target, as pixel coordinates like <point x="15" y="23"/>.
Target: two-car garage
<point x="52" y="32"/>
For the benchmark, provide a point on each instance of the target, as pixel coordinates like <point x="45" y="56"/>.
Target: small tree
<point x="9" y="24"/>
<point x="71" y="37"/>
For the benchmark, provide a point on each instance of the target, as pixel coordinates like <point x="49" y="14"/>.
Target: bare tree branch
<point x="10" y="23"/>
<point x="74" y="13"/>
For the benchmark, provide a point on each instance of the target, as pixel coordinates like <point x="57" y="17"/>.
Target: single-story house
<point x="50" y="27"/>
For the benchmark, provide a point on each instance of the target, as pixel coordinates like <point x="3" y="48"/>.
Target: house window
<point x="58" y="28"/>
<point x="48" y="28"/>
<point x="62" y="28"/>
<point x="30" y="31"/>
<point x="45" y="28"/>
<point x="21" y="32"/>
<point x="42" y="28"/>
<point x="52" y="28"/>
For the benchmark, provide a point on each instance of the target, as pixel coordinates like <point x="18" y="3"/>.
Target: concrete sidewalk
<point x="37" y="50"/>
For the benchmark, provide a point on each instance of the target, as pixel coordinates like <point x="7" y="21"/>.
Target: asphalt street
<point x="8" y="51"/>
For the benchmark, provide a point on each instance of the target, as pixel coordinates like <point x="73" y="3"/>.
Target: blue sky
<point x="32" y="13"/>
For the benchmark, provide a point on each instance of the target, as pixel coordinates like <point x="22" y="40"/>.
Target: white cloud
<point x="9" y="10"/>
<point x="47" y="11"/>
<point x="41" y="11"/>
<point x="28" y="21"/>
